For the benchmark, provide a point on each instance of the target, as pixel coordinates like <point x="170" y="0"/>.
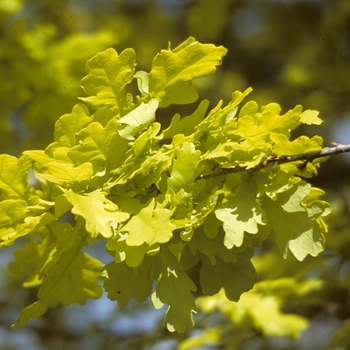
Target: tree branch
<point x="277" y="160"/>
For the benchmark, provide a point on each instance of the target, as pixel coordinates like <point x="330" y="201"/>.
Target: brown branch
<point x="277" y="160"/>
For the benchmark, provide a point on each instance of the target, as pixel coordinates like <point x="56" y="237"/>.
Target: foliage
<point x="114" y="173"/>
<point x="289" y="51"/>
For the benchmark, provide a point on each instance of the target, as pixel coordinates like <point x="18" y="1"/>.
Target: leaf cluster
<point x="114" y="173"/>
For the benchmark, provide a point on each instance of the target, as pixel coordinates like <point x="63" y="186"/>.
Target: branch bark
<point x="277" y="160"/>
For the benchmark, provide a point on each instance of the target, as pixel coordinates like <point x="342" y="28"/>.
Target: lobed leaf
<point x="69" y="125"/>
<point x="12" y="211"/>
<point x="151" y="225"/>
<point x="174" y="288"/>
<point x="310" y="117"/>
<point x="68" y="276"/>
<point x="108" y="74"/>
<point x="187" y="124"/>
<point x="123" y="283"/>
<point x="14" y="177"/>
<point x="241" y="214"/>
<point x="294" y="226"/>
<point x="67" y="174"/>
<point x="184" y="168"/>
<point x="11" y="233"/>
<point x="99" y="213"/>
<point x="173" y="70"/>
<point x="137" y="119"/>
<point x="235" y="278"/>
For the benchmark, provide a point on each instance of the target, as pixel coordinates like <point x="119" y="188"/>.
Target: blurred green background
<point x="290" y="51"/>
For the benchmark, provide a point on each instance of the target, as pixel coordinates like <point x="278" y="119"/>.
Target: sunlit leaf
<point x="100" y="213"/>
<point x="14" y="177"/>
<point x="108" y="74"/>
<point x="151" y="225"/>
<point x="173" y="70"/>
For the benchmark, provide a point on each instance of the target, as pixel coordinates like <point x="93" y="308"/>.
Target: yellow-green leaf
<point x="173" y="70"/>
<point x="151" y="225"/>
<point x="108" y="74"/>
<point x="99" y="212"/>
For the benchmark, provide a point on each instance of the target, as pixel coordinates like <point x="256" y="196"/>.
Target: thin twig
<point x="277" y="160"/>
